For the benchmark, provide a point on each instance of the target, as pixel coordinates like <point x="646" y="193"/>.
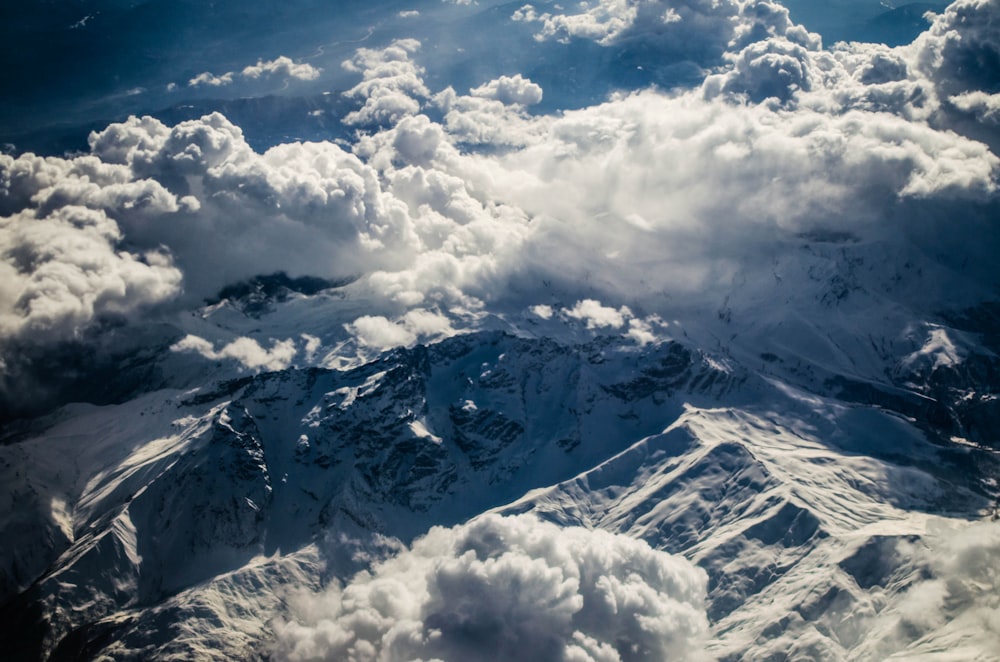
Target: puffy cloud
<point x="961" y="50"/>
<point x="597" y="316"/>
<point x="282" y="66"/>
<point x="986" y="107"/>
<point x="311" y="204"/>
<point x="484" y="121"/>
<point x="772" y="68"/>
<point x="507" y="588"/>
<point x="699" y="187"/>
<point x="648" y="195"/>
<point x="210" y="79"/>
<point x="543" y="311"/>
<point x="696" y="30"/>
<point x="246" y="351"/>
<point x="378" y="332"/>
<point x="510" y="89"/>
<point x="116" y="230"/>
<point x="392" y="83"/>
<point x="62" y="253"/>
<point x="955" y="600"/>
<point x="601" y="21"/>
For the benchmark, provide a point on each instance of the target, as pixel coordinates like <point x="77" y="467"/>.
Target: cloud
<point x="510" y="89"/>
<point x="986" y="107"/>
<point x="281" y="66"/>
<point x="392" y="83"/>
<point x="210" y="79"/>
<point x="960" y="51"/>
<point x="379" y="332"/>
<point x="309" y="204"/>
<point x="246" y="351"/>
<point x="772" y="68"/>
<point x="508" y="588"/>
<point x="597" y="316"/>
<point x="465" y="204"/>
<point x="478" y="120"/>
<point x="543" y="311"/>
<point x="955" y="600"/>
<point x="65" y="267"/>
<point x="696" y="30"/>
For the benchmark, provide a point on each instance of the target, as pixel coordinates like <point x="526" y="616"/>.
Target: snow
<point x="786" y="454"/>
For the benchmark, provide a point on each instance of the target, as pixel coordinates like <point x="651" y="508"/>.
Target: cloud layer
<point x="282" y="66"/>
<point x="954" y="603"/>
<point x="508" y="588"/>
<point x="453" y="203"/>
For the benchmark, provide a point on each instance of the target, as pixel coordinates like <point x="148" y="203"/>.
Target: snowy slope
<point x="178" y="507"/>
<point x="798" y="453"/>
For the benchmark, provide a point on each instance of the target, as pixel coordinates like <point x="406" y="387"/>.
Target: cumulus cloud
<point x="64" y="262"/>
<point x="955" y="601"/>
<point x="450" y="202"/>
<point x="154" y="211"/>
<point x="986" y="107"/>
<point x="379" y="332"/>
<point x="479" y="120"/>
<point x="595" y="315"/>
<point x="392" y="84"/>
<point x="211" y="80"/>
<point x="510" y="89"/>
<point x="281" y="66"/>
<point x="772" y="68"/>
<point x="696" y="30"/>
<point x="246" y="351"/>
<point x="961" y="50"/>
<point x="313" y="204"/>
<point x="507" y="588"/>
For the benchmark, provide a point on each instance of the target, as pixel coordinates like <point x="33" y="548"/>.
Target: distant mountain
<point x="789" y="482"/>
<point x="864" y="20"/>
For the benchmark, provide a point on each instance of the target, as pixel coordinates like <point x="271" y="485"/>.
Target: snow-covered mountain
<point x="815" y="488"/>
<point x="604" y="331"/>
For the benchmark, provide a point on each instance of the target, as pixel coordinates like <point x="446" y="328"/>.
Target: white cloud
<point x="696" y="30"/>
<point x="543" y="311"/>
<point x="954" y="602"/>
<point x="281" y="66"/>
<point x="986" y="107"/>
<point x="773" y="68"/>
<point x="210" y="79"/>
<point x="510" y="89"/>
<point x="483" y="121"/>
<point x="960" y="50"/>
<point x="379" y="332"/>
<point x="312" y="346"/>
<point x="597" y="316"/>
<point x="392" y="83"/>
<point x="648" y="195"/>
<point x="246" y="351"/>
<point x="516" y="587"/>
<point x="61" y="270"/>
